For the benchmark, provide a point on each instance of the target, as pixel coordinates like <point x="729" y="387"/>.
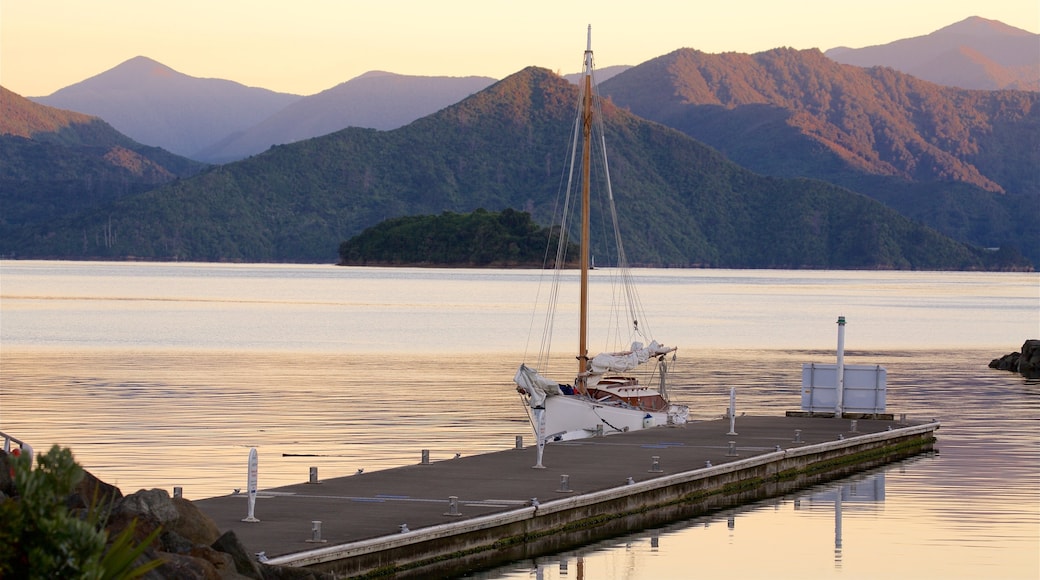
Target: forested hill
<point x="961" y="161"/>
<point x="682" y="203"/>
<point x="56" y="163"/>
<point x="481" y="239"/>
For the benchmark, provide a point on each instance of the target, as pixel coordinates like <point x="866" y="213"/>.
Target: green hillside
<point x="55" y="164"/>
<point x="963" y="162"/>
<point x="682" y="203"/>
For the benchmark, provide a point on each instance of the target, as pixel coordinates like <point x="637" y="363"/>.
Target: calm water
<point x="162" y="375"/>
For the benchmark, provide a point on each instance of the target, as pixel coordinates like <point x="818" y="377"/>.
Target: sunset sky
<point x="306" y="46"/>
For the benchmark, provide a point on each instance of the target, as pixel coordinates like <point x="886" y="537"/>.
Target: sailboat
<point x="604" y="397"/>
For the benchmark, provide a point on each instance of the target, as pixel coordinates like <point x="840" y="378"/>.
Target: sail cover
<point x="618" y="362"/>
<point x="537" y="386"/>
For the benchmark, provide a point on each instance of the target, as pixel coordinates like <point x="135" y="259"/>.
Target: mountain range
<point x="54" y="164"/>
<point x="962" y="162"/>
<point x="975" y="53"/>
<point x="217" y="121"/>
<point x="686" y="205"/>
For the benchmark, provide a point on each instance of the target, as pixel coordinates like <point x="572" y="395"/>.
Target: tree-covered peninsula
<point x="509" y="239"/>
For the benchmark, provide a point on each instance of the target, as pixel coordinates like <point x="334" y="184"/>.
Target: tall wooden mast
<point x="586" y="148"/>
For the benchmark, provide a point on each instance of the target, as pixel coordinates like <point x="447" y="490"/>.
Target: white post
<point x="839" y="401"/>
<point x="539" y="416"/>
<point x="251" y="486"/>
<point x="732" y="411"/>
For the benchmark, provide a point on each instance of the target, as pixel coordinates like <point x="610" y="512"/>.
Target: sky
<point x="307" y="46"/>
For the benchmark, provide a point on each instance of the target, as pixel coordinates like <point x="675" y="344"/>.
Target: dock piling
<point x="797" y="435"/>
<point x="453" y="506"/>
<point x="425" y="457"/>
<point x="178" y="491"/>
<point x="655" y="464"/>
<point x="732" y="449"/>
<point x="316" y="533"/>
<point x="565" y="484"/>
<point x="519" y="442"/>
<point x="313" y="476"/>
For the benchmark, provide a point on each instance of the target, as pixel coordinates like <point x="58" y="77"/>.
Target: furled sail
<point x="618" y="362"/>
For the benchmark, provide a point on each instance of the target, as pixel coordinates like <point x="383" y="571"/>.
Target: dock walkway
<point x="372" y="505"/>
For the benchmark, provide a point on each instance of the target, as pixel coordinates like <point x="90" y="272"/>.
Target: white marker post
<point x="840" y="399"/>
<point x="251" y="486"/>
<point x="732" y="411"/>
<point x="539" y="416"/>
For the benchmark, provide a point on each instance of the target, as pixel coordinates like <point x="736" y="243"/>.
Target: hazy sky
<point x="306" y="46"/>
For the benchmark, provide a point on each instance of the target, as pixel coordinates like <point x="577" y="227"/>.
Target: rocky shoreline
<point x="190" y="545"/>
<point x="1026" y="362"/>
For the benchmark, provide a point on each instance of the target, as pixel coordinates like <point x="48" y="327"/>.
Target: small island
<point x="480" y="239"/>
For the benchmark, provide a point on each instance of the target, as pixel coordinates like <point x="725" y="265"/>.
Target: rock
<point x="153" y="504"/>
<point x="245" y="563"/>
<point x="194" y="525"/>
<point x="1029" y="362"/>
<point x="1026" y="362"/>
<point x="92" y="491"/>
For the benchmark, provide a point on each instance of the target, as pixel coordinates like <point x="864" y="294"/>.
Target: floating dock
<point x="448" y="515"/>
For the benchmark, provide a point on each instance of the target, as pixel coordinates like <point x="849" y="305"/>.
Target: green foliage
<point x="962" y="162"/>
<point x="41" y="538"/>
<point x="481" y="238"/>
<point x="681" y="204"/>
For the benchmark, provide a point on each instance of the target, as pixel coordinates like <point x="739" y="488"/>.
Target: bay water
<point x="163" y="375"/>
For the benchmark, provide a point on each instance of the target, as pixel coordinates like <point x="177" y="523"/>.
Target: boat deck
<point x="376" y="504"/>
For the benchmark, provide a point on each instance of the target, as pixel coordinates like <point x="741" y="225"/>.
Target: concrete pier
<point x="453" y="514"/>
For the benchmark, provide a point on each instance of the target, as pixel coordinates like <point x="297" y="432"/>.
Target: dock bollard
<point x="453" y="506"/>
<point x="316" y="533"/>
<point x="655" y="464"/>
<point x="313" y="476"/>
<point x="178" y="491"/>
<point x="854" y="427"/>
<point x="732" y="449"/>
<point x="797" y="435"/>
<point x="425" y="457"/>
<point x="519" y="442"/>
<point x="565" y="484"/>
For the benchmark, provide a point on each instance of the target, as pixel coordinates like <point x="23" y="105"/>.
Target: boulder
<point x="1026" y="362"/>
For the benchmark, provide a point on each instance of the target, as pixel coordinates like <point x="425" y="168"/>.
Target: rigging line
<point x="564" y="237"/>
<point x="634" y="305"/>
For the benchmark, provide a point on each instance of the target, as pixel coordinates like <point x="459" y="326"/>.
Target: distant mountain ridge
<point x="375" y="100"/>
<point x="154" y="104"/>
<point x="974" y="53"/>
<point x="56" y="163"/>
<point x="684" y="204"/>
<point x="961" y="161"/>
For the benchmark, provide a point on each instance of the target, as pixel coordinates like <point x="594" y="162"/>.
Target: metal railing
<point x="22" y="445"/>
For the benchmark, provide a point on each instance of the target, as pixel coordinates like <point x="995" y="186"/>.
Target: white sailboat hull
<point x="574" y="417"/>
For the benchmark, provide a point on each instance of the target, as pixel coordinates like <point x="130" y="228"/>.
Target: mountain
<point x="602" y="74"/>
<point x="504" y="147"/>
<point x="377" y="100"/>
<point x="972" y="54"/>
<point x="154" y="104"/>
<point x="56" y="163"/>
<point x="961" y="161"/>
